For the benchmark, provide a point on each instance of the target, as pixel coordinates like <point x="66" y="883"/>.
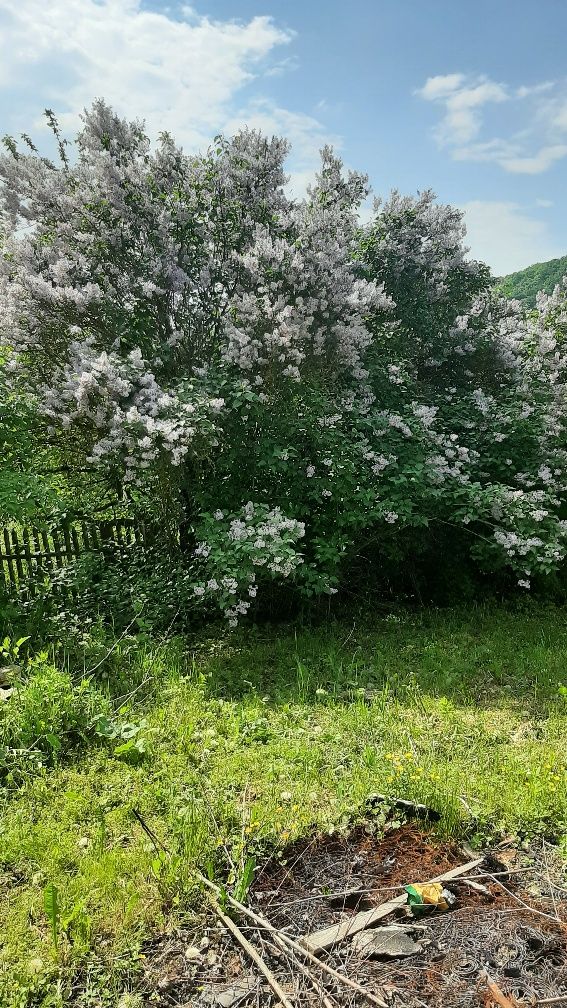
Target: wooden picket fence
<point x="29" y="554"/>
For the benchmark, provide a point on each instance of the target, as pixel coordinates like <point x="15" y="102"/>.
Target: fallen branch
<point x="264" y="923"/>
<point x="532" y="909"/>
<point x="317" y="940"/>
<point x="396" y="888"/>
<point x="252" y="953"/>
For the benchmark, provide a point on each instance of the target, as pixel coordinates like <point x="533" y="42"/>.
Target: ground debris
<point x="387" y="942"/>
<point x="227" y="997"/>
<point x="506" y="932"/>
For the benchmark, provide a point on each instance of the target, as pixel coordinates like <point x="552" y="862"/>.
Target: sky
<point x="466" y="97"/>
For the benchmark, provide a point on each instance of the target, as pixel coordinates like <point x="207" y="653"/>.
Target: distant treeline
<point x="524" y="285"/>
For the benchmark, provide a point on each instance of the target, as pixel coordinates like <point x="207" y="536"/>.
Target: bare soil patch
<point x="513" y="928"/>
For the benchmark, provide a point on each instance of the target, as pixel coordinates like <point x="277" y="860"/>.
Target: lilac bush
<point x="276" y="384"/>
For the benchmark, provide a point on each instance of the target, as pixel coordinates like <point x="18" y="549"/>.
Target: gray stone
<point x="230" y="995"/>
<point x="390" y="942"/>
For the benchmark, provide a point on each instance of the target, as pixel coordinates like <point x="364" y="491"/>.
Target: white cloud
<point x="529" y="151"/>
<point x="179" y="74"/>
<point x="537" y="163"/>
<point x="506" y="237"/>
<point x="441" y="86"/>
<point x="544" y="203"/>
<point x="488" y="150"/>
<point x="510" y="156"/>
<point x="463" y="120"/>
<point x="558" y="114"/>
<point x="178" y="70"/>
<point x="525" y="91"/>
<point x="462" y="102"/>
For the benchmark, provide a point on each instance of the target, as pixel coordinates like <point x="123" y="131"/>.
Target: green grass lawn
<point x="253" y="739"/>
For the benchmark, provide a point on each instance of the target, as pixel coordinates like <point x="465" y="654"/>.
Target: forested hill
<point x="525" y="284"/>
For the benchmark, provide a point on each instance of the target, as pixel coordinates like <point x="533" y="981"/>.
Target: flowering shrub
<point x="277" y="385"/>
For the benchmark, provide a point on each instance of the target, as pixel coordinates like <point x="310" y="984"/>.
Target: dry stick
<point x="539" y="913"/>
<point x="325" y="1001"/>
<point x="251" y="953"/>
<point x="471" y="884"/>
<point x="263" y="922"/>
<point x="383" y="889"/>
<point x="546" y="1001"/>
<point x="550" y="884"/>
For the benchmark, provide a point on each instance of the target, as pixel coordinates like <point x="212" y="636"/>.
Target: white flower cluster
<point x="131" y="418"/>
<point x="300" y="304"/>
<point x="257" y="542"/>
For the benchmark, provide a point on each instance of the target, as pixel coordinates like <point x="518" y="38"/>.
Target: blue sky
<point x="468" y="98"/>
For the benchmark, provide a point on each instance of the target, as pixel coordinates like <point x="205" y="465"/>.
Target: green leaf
<point x="51" y="907"/>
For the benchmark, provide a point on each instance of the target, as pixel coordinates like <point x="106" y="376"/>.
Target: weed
<point x="51" y="907"/>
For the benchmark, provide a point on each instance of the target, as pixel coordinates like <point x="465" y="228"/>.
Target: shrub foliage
<point x="283" y="390"/>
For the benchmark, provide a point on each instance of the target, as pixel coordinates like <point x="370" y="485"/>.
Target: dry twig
<point x="263" y="922"/>
<point x="297" y="964"/>
<point x="252" y="953"/>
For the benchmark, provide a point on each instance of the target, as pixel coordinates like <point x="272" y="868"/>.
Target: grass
<point x="237" y="744"/>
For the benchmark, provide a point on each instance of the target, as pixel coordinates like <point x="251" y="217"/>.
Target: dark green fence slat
<point x="75" y="540"/>
<point x="8" y="555"/>
<point x="47" y="551"/>
<point x="57" y="548"/>
<point x="67" y="542"/>
<point x="36" y="541"/>
<point x="30" y="566"/>
<point x="17" y="552"/>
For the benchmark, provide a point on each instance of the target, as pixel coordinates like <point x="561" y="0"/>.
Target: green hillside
<point x="525" y="284"/>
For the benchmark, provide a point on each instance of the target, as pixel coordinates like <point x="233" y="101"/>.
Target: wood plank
<point x="75" y="541"/>
<point x="9" y="561"/>
<point x="317" y="940"/>
<point x="18" y="553"/>
<point x="47" y="551"/>
<point x="57" y="548"/>
<point x="67" y="541"/>
<point x="86" y="540"/>
<point x="30" y="566"/>
<point x="36" y="542"/>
